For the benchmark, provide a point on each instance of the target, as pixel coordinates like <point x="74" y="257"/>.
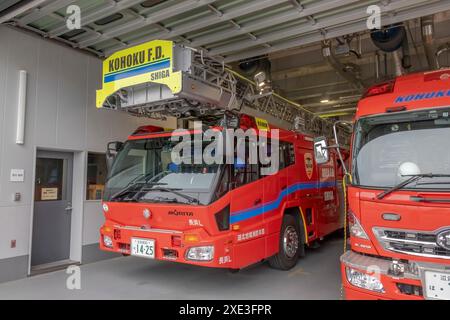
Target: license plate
<point x="437" y="285"/>
<point x="143" y="248"/>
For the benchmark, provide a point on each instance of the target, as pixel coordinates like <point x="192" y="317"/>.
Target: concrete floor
<point x="316" y="276"/>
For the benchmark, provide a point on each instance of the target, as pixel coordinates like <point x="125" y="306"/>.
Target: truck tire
<point x="291" y="245"/>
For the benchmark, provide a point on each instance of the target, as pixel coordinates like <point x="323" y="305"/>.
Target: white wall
<point x="60" y="115"/>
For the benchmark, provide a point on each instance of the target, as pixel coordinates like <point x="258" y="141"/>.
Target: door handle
<point x="422" y="199"/>
<point x="68" y="208"/>
<point x="257" y="201"/>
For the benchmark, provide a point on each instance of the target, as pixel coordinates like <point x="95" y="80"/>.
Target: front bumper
<point x="407" y="286"/>
<point x="165" y="247"/>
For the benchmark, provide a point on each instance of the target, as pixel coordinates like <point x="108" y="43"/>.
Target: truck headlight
<point x="363" y="280"/>
<point x="107" y="241"/>
<point x="356" y="230"/>
<point x="205" y="253"/>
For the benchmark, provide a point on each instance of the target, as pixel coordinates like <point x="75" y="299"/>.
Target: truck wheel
<point x="291" y="245"/>
<point x="234" y="270"/>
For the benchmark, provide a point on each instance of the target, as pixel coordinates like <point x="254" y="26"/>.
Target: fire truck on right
<point x="399" y="191"/>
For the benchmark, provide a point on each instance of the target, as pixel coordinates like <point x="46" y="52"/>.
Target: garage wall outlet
<point x="13" y="244"/>
<point x="17" y="196"/>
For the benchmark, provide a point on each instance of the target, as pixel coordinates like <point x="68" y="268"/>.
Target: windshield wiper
<point x="128" y="188"/>
<point x="175" y="191"/>
<point x="165" y="200"/>
<point x="411" y="179"/>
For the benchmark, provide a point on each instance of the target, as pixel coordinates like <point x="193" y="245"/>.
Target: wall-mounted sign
<point x="17" y="175"/>
<point x="49" y="194"/>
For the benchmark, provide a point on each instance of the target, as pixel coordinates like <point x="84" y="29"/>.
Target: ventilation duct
<point x="393" y="39"/>
<point x="259" y="69"/>
<point x="349" y="72"/>
<point x="427" y="26"/>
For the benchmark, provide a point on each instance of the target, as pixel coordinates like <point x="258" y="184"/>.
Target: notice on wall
<point x="49" y="194"/>
<point x="17" y="175"/>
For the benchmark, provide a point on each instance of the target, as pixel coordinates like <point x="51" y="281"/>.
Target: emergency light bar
<point x="382" y="88"/>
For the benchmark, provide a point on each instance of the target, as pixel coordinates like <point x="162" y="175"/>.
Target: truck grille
<point x="417" y="243"/>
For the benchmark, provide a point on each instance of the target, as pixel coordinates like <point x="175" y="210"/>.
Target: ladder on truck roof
<point x="160" y="79"/>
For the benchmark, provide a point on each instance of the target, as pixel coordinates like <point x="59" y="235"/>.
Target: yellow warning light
<point x="191" y="238"/>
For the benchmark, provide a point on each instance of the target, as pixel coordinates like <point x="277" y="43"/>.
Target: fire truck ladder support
<point x="208" y="90"/>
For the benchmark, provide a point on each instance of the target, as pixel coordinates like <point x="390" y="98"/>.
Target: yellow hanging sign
<point x="148" y="62"/>
<point x="262" y="124"/>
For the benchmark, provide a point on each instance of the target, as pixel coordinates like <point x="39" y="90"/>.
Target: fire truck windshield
<point x="145" y="171"/>
<point x="389" y="149"/>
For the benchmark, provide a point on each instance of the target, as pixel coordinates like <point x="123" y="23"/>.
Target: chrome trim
<point x="365" y="263"/>
<point x="148" y="230"/>
<point x="431" y="244"/>
<point x="362" y="262"/>
<point x="384" y="240"/>
<point x="426" y="255"/>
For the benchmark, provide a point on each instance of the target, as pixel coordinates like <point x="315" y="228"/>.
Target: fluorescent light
<point x="324" y="101"/>
<point x="21" y="107"/>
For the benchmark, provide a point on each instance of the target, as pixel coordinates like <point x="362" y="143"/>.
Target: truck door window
<point x="243" y="171"/>
<point x="287" y="154"/>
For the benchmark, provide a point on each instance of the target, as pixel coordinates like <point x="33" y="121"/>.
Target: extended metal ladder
<point x="208" y="90"/>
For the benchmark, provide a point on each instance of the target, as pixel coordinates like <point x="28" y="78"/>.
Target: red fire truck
<point x="218" y="215"/>
<point x="399" y="196"/>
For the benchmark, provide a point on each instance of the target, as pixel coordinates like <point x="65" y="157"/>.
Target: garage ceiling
<point x="229" y="29"/>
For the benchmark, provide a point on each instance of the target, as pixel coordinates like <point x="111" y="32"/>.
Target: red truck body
<point x="252" y="212"/>
<point x="400" y="242"/>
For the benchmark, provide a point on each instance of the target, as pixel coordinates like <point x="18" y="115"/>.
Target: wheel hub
<point x="290" y="241"/>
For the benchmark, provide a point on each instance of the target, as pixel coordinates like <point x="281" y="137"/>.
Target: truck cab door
<point x="247" y="216"/>
<point x="246" y="196"/>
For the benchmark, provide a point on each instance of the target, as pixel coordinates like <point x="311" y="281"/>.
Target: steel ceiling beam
<point x="39" y="13"/>
<point x="68" y="43"/>
<point x="6" y="4"/>
<point x="247" y="8"/>
<point x="318" y="94"/>
<point x="96" y="14"/>
<point x="321" y="24"/>
<point x="151" y="19"/>
<point x="20" y="10"/>
<point x="276" y="19"/>
<point x="360" y="26"/>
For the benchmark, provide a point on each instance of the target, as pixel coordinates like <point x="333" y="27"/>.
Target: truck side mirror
<point x="111" y="152"/>
<point x="321" y="152"/>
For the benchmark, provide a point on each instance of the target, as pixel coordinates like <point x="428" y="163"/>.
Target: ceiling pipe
<point x="427" y="26"/>
<point x="441" y="50"/>
<point x="342" y="69"/>
<point x="16" y="11"/>
<point x="399" y="70"/>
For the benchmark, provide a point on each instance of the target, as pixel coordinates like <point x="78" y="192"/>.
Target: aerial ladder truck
<point x="221" y="214"/>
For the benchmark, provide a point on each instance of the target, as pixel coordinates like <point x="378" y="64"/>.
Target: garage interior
<point x="319" y="54"/>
